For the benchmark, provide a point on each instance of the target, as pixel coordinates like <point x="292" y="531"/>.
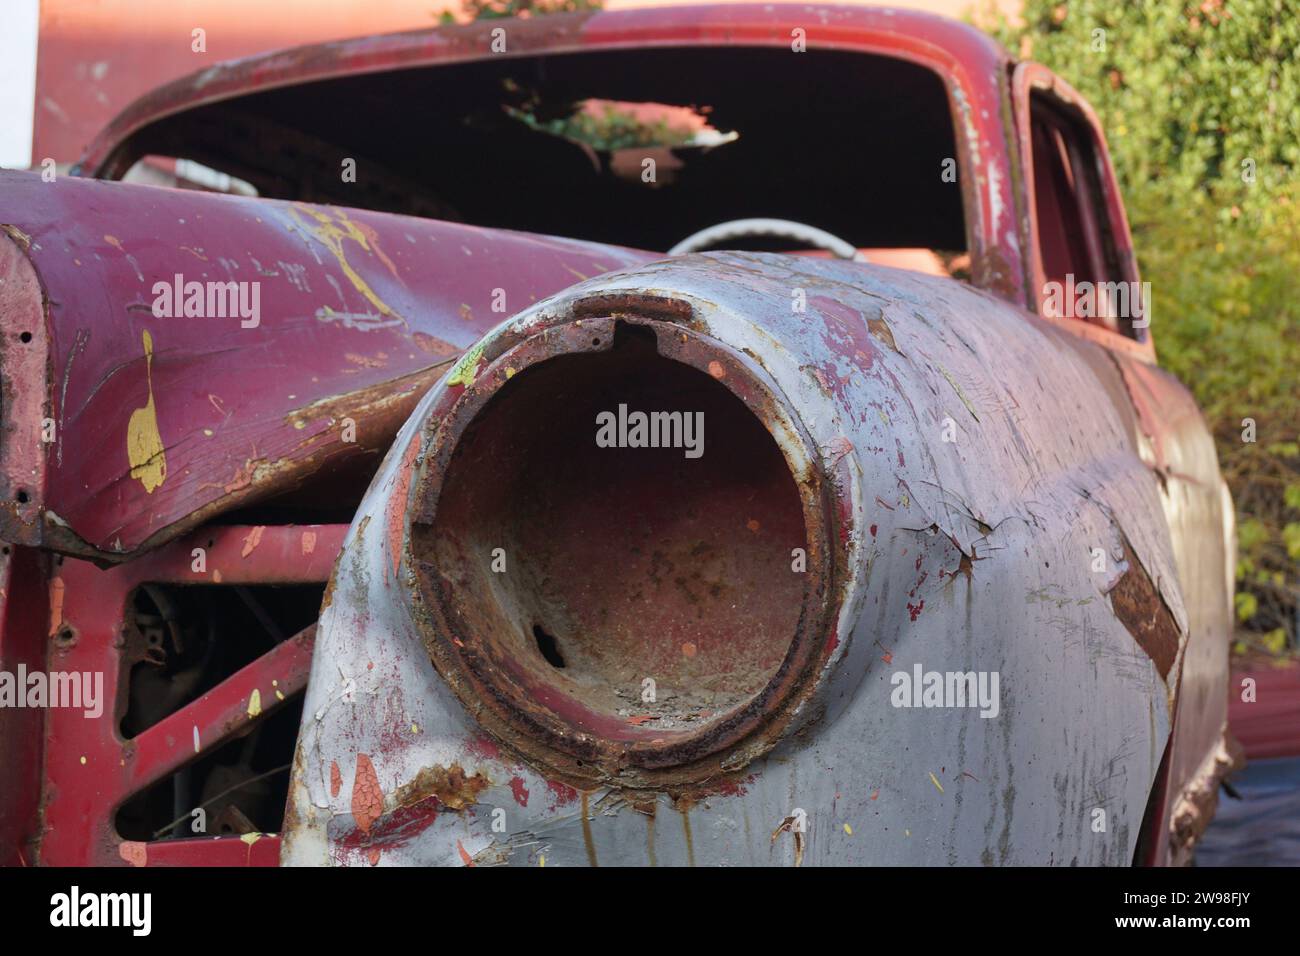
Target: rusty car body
<point x="364" y="589"/>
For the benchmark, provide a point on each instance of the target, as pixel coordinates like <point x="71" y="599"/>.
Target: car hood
<point x="126" y="418"/>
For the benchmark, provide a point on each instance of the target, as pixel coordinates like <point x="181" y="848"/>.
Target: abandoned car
<point x="816" y="499"/>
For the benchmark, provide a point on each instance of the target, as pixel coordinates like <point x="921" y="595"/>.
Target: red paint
<point x="1268" y="726"/>
<point x="223" y="426"/>
<point x="79" y="810"/>
<point x="393" y="829"/>
<point x="484" y="747"/>
<point x="22" y="731"/>
<point x="226" y="851"/>
<point x="519" y="790"/>
<point x="562" y="792"/>
<point x="915" y="609"/>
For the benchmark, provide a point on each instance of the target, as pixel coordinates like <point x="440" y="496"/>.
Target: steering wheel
<point x="785" y="228"/>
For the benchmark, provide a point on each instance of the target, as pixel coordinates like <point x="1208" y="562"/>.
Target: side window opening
<point x="178" y="173"/>
<point x="1082" y="273"/>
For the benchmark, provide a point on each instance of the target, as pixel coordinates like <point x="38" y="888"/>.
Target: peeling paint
<point x="144" y="444"/>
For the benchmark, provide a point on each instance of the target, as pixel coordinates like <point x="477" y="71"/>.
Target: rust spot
<point x="434" y="346"/>
<point x="1139" y="606"/>
<point x="17" y="235"/>
<point x="56" y="605"/>
<point x="880" y="329"/>
<point x="965" y="566"/>
<point x="451" y="785"/>
<point x="397" y="500"/>
<point x="586" y="833"/>
<point x="367" y="798"/>
<point x="787" y="826"/>
<point x="648" y="306"/>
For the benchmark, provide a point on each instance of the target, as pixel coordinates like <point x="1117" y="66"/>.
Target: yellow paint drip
<point x="144" y="445"/>
<point x="331" y="234"/>
<point x="255" y="703"/>
<point x="251" y="838"/>
<point x="935" y="780"/>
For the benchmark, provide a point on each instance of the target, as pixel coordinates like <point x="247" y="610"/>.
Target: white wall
<point x="18" y="19"/>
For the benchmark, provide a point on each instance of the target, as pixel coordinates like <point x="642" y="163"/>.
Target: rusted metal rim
<point x="527" y="725"/>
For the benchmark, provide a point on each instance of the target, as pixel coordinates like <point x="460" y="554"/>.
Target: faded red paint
<point x="485" y="748"/>
<point x="134" y="852"/>
<point x="367" y="797"/>
<point x="562" y="793"/>
<point x="519" y="790"/>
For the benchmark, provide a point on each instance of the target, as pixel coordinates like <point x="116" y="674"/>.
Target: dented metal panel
<point x="988" y="509"/>
<point x="124" y="427"/>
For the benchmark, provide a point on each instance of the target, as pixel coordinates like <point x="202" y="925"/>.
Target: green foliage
<point x="499" y="9"/>
<point x="607" y="130"/>
<point x="611" y="129"/>
<point x="1197" y="99"/>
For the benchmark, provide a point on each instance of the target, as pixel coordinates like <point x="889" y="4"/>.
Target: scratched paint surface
<point x="161" y="420"/>
<point x="975" y="555"/>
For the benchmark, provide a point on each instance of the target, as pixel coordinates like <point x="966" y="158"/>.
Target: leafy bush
<point x="608" y="128"/>
<point x="497" y="9"/>
<point x="1201" y="106"/>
